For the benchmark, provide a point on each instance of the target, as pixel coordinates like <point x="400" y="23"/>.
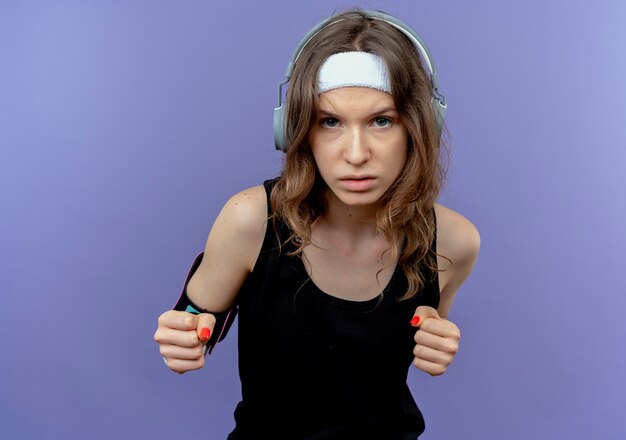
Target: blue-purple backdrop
<point x="124" y="127"/>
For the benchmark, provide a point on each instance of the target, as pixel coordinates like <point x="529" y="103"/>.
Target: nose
<point x="356" y="150"/>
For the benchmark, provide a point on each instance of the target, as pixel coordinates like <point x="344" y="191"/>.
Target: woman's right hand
<point x="182" y="338"/>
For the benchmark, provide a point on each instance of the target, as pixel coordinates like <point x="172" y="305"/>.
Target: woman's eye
<point x="382" y="122"/>
<point x="329" y="122"/>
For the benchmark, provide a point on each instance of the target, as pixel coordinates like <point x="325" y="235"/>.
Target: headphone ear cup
<point x="437" y="101"/>
<point x="279" y="129"/>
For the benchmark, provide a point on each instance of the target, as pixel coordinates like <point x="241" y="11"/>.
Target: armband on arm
<point x="223" y="320"/>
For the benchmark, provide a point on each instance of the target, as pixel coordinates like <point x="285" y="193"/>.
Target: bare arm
<point x="230" y="254"/>
<point x="231" y="250"/>
<point x="437" y="340"/>
<point x="458" y="240"/>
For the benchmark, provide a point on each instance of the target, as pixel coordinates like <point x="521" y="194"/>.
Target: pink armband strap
<point x="223" y="319"/>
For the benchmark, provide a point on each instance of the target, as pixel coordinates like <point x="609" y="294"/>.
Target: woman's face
<point x="359" y="144"/>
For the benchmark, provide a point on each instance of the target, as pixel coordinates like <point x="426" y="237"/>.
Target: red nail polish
<point x="415" y="321"/>
<point x="205" y="333"/>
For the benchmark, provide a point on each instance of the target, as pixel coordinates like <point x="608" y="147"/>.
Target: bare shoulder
<point x="458" y="245"/>
<point x="245" y="213"/>
<point x="231" y="250"/>
<point x="457" y="237"/>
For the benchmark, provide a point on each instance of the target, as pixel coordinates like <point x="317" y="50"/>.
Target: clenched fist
<point x="182" y="338"/>
<point x="437" y="341"/>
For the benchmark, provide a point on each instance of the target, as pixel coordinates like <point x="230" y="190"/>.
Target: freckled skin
<point x="358" y="133"/>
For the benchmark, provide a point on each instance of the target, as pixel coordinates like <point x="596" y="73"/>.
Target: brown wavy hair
<point x="407" y="218"/>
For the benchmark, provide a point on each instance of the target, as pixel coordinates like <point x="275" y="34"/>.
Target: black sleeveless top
<point x="314" y="366"/>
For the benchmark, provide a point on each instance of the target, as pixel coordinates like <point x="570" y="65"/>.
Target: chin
<point x="359" y="199"/>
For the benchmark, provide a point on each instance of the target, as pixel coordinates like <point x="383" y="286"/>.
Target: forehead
<point x="354" y="99"/>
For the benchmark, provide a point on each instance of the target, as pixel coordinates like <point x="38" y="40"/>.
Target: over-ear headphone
<point x="438" y="100"/>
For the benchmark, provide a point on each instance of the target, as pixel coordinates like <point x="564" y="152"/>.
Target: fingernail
<point x="205" y="333"/>
<point x="415" y="321"/>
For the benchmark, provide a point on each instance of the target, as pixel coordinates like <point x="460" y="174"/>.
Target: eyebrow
<point x="388" y="109"/>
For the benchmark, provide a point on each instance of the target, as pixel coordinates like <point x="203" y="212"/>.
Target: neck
<point x="355" y="221"/>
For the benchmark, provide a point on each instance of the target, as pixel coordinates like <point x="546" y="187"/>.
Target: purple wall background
<point x="124" y="127"/>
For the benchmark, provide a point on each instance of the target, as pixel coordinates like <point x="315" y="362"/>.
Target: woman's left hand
<point x="437" y="341"/>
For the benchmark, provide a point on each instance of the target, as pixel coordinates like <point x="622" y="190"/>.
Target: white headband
<point x="353" y="69"/>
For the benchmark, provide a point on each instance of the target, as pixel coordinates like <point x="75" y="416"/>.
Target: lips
<point x="357" y="183"/>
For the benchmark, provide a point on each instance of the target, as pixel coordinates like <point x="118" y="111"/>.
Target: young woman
<point x="343" y="270"/>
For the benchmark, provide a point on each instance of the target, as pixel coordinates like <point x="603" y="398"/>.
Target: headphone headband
<point x="438" y="99"/>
